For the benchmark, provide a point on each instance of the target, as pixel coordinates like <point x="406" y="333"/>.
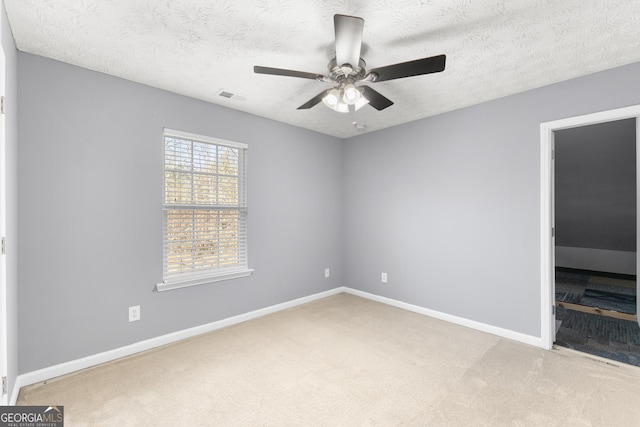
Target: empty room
<point x="319" y="212"/>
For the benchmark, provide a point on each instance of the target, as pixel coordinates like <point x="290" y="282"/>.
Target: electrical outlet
<point x="327" y="273"/>
<point x="383" y="277"/>
<point x="134" y="313"/>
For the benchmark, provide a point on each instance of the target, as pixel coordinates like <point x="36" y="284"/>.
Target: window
<point x="205" y="210"/>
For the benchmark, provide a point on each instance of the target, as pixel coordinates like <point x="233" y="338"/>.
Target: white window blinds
<point x="205" y="210"/>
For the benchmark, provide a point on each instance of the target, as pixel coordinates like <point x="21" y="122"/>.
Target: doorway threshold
<point x="598" y="311"/>
<point x="568" y="352"/>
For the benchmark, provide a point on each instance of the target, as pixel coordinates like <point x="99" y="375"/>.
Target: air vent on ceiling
<point x="230" y="95"/>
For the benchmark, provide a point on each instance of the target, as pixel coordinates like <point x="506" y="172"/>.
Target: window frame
<point x="199" y="277"/>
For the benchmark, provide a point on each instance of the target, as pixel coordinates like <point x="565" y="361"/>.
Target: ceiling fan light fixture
<point x="335" y="100"/>
<point x="332" y="99"/>
<point x="351" y="94"/>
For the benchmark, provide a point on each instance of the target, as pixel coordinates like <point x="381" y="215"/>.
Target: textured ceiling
<point x="494" y="48"/>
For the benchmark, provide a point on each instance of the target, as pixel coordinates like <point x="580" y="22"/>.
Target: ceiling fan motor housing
<point x="346" y="71"/>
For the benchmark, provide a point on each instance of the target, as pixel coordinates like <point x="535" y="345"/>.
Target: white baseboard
<point x="494" y="330"/>
<point x="108" y="356"/>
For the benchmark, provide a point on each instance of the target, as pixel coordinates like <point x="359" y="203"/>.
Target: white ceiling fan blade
<point x="348" y="39"/>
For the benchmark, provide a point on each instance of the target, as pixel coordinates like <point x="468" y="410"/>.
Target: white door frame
<point x="4" y="351"/>
<point x="547" y="241"/>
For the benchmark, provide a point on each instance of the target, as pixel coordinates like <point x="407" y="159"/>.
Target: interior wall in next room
<point x="595" y="197"/>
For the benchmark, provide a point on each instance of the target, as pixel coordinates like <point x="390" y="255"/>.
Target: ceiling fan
<point x="347" y="70"/>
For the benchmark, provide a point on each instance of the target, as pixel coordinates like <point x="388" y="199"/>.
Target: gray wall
<point x="11" y="176"/>
<point x="595" y="193"/>
<point x="90" y="205"/>
<point x="596" y="186"/>
<point x="449" y="206"/>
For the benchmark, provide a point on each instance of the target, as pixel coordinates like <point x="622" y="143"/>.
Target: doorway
<point x="3" y="262"/>
<point x="595" y="240"/>
<point x="547" y="223"/>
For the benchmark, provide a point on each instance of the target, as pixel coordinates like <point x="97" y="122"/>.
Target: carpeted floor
<point x="346" y="361"/>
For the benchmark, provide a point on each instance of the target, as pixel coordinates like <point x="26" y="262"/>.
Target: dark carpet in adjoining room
<point x="609" y="292"/>
<point x="603" y="336"/>
<point x="615" y="339"/>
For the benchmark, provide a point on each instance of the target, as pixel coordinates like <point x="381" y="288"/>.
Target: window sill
<point x="161" y="287"/>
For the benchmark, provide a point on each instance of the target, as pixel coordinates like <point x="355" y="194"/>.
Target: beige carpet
<point x="346" y="361"/>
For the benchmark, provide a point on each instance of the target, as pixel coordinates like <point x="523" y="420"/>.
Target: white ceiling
<point x="494" y="48"/>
